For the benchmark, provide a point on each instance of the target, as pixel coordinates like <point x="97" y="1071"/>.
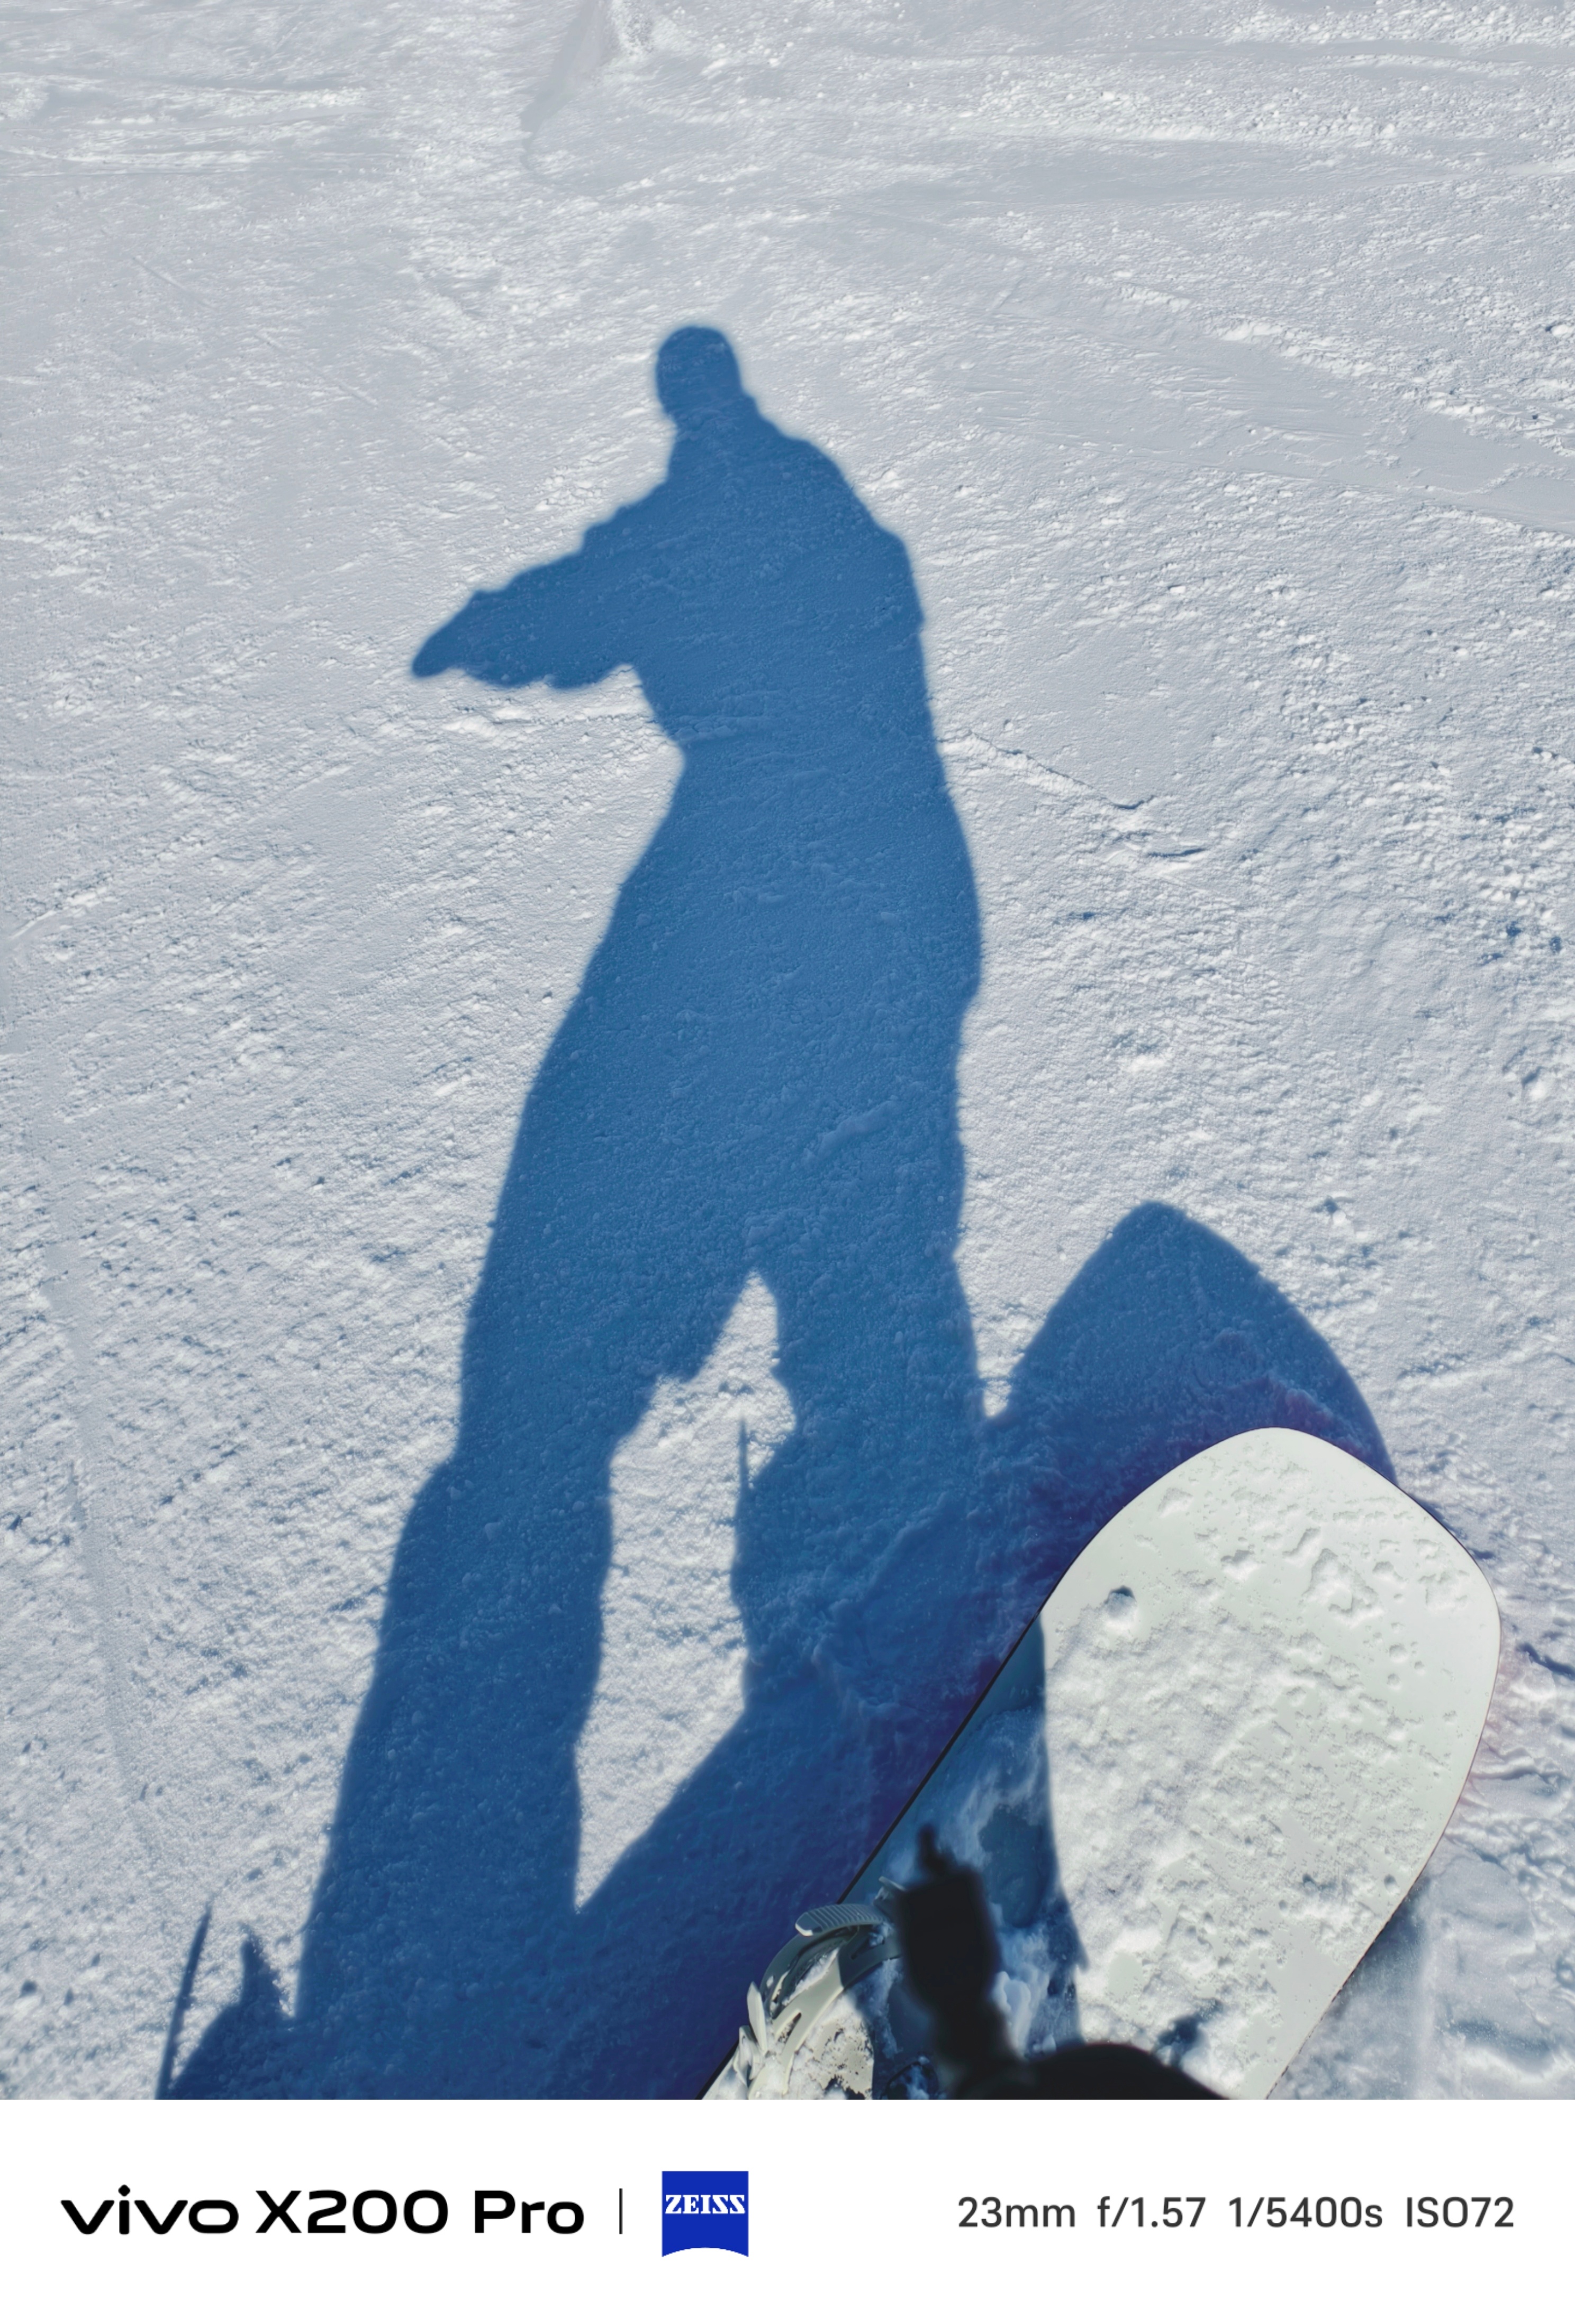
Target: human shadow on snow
<point x="757" y="1076"/>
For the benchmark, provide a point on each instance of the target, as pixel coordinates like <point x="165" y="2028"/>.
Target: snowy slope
<point x="1214" y="366"/>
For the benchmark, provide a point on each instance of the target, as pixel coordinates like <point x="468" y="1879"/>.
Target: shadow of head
<point x="698" y="379"/>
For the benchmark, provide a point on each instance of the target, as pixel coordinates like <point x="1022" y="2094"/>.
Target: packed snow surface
<point x="603" y="1185"/>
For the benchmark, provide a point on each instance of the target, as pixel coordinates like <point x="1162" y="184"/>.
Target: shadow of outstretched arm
<point x="557" y="624"/>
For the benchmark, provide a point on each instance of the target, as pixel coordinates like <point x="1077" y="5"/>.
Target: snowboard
<point x="1196" y="1790"/>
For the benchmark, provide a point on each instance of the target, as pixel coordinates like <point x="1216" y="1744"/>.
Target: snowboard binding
<point x="804" y="2037"/>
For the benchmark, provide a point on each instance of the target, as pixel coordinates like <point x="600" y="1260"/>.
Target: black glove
<point x="950" y="1957"/>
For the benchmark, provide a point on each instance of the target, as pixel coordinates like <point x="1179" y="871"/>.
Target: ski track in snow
<point x="1217" y="367"/>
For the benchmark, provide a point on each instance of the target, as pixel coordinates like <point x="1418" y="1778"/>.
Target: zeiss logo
<point x="705" y="2207"/>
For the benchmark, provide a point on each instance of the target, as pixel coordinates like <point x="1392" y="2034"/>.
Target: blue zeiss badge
<point x="705" y="2207"/>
